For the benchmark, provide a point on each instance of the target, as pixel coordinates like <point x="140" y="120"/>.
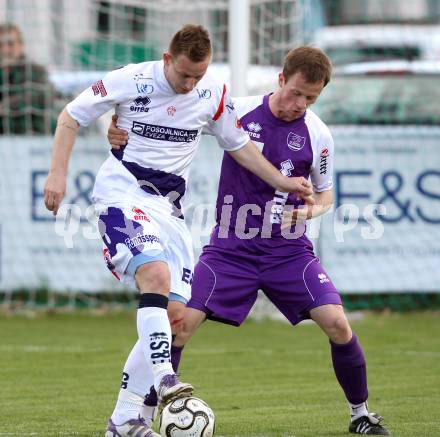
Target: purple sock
<point x="351" y="370"/>
<point x="151" y="398"/>
<point x="176" y="354"/>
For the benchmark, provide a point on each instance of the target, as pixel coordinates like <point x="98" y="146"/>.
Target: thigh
<point x="225" y="285"/>
<point x="297" y="285"/>
<point x="180" y="258"/>
<point x="129" y="233"/>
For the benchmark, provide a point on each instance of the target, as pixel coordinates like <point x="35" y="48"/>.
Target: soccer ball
<point x="187" y="417"/>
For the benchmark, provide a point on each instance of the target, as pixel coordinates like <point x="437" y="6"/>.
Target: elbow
<point x="66" y="120"/>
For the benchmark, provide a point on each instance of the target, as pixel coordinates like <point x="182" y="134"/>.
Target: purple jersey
<point x="248" y="251"/>
<point x="303" y="147"/>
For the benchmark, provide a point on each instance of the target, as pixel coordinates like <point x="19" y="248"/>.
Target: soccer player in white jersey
<point x="233" y="267"/>
<point x="165" y="105"/>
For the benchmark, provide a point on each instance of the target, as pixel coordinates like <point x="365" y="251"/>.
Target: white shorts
<point x="138" y="234"/>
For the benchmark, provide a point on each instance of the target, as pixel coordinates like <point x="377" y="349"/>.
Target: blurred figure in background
<point x="26" y="95"/>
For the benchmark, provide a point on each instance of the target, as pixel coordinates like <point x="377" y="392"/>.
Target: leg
<point x="136" y="382"/>
<point x="176" y="311"/>
<point x="184" y="322"/>
<point x="191" y="322"/>
<point x="348" y="358"/>
<point x="180" y="257"/>
<point x="149" y="363"/>
<point x="154" y="330"/>
<point x="350" y="367"/>
<point x="300" y="288"/>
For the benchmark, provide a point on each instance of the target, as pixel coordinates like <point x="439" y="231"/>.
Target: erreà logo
<point x="140" y="104"/>
<point x="295" y="142"/>
<point x="255" y="127"/>
<point x="323" y="161"/>
<point x="139" y="214"/>
<point x="253" y="130"/>
<point x="142" y="100"/>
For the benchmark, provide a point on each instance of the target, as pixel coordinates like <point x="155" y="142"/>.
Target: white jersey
<point x="164" y="130"/>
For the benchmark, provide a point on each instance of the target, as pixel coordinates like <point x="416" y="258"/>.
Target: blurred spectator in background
<point x="26" y="95"/>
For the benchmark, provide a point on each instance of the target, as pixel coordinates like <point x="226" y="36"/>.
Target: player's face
<point x="295" y="96"/>
<point x="183" y="74"/>
<point x="11" y="48"/>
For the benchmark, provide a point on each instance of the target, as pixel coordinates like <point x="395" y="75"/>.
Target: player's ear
<point x="281" y="80"/>
<point x="166" y="58"/>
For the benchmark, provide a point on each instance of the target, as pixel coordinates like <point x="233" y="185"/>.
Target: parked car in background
<point x="359" y="43"/>
<point x="383" y="93"/>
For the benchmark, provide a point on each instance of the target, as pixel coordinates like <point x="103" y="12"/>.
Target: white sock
<point x="137" y="376"/>
<point x="148" y="413"/>
<point x="128" y="407"/>
<point x="358" y="410"/>
<point x="154" y="333"/>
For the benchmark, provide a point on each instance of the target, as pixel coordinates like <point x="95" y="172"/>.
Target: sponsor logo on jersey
<point x="280" y="199"/>
<point x="287" y="167"/>
<point x="204" y="93"/>
<point x="230" y="107"/>
<point x="187" y="276"/>
<point x="99" y="88"/>
<point x="144" y="88"/>
<point x="164" y="133"/>
<point x="140" y="76"/>
<point x="140" y="104"/>
<point x="141" y="239"/>
<point x="295" y="142"/>
<point x="171" y="110"/>
<point x="253" y="129"/>
<point x="139" y="215"/>
<point x="323" y="161"/>
<point x="323" y="278"/>
<point x="238" y="124"/>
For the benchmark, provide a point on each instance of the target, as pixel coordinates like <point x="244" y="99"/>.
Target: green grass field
<point x="59" y="375"/>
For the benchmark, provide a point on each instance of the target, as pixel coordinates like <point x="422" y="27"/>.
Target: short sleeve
<point x="99" y="98"/>
<point x="225" y="125"/>
<point x="322" y="170"/>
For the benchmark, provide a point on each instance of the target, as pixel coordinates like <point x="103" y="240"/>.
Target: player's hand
<point x="299" y="186"/>
<point x="116" y="137"/>
<point x="294" y="216"/>
<point x="54" y="191"/>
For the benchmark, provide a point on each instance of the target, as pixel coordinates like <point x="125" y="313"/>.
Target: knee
<point x="153" y="277"/>
<point x="338" y="330"/>
<point x="175" y="316"/>
<point x="183" y="334"/>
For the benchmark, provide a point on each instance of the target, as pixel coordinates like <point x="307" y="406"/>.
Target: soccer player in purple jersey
<point x="258" y="241"/>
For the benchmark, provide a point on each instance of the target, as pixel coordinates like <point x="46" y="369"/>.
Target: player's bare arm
<point x="253" y="160"/>
<point x="323" y="202"/>
<point x="65" y="136"/>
